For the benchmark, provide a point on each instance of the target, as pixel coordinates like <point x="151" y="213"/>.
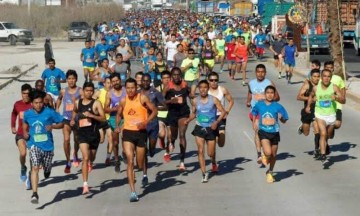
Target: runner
<point x="100" y="95"/>
<point x="67" y="97"/>
<point x="148" y="63"/>
<point x="134" y="108"/>
<point x="87" y="57"/>
<point x="38" y="124"/>
<point x="208" y="55"/>
<point x="221" y="93"/>
<point x="101" y="73"/>
<point x="256" y="93"/>
<point x="152" y="127"/>
<point x="241" y="58"/>
<point x="159" y="67"/>
<point x="113" y="98"/>
<point x="190" y="68"/>
<point x="308" y="118"/>
<point x="176" y="94"/>
<point x="126" y="52"/>
<point x="220" y="47"/>
<point x="20" y="107"/>
<point x="326" y="94"/>
<point x="121" y="68"/>
<point x="171" y="50"/>
<point x="89" y="113"/>
<point x="179" y="56"/>
<point x="48" y="101"/>
<point x="138" y="78"/>
<point x="231" y="59"/>
<point x="276" y="47"/>
<point x="290" y="52"/>
<point x="102" y="51"/>
<point x="259" y="41"/>
<point x="267" y="127"/>
<point x="52" y="77"/>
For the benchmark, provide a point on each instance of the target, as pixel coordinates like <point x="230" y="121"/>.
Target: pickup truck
<point x="9" y="32"/>
<point x="318" y="42"/>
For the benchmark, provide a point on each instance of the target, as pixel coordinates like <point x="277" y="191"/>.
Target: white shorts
<point x="54" y="97"/>
<point x="329" y="119"/>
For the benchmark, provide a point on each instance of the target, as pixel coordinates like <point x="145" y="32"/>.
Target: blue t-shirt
<point x="269" y="115"/>
<point x="52" y="78"/>
<point x="290" y="53"/>
<point x="147" y="68"/>
<point x="88" y="57"/>
<point x="142" y="43"/>
<point x="38" y="135"/>
<point x="260" y="40"/>
<point x="134" y="40"/>
<point x="102" y="50"/>
<point x="228" y="38"/>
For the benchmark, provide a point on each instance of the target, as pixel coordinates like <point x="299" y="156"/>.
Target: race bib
<point x="40" y="137"/>
<point x="89" y="60"/>
<point x="21" y="115"/>
<point x="84" y="122"/>
<point x="325" y="103"/>
<point x="268" y="121"/>
<point x="261" y="43"/>
<point x="158" y="77"/>
<point x="53" y="88"/>
<point x="259" y="97"/>
<point x="208" y="55"/>
<point x="203" y="119"/>
<point x="69" y="107"/>
<point x="102" y="53"/>
<point x="221" y="47"/>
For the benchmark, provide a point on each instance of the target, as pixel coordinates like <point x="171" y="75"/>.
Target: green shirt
<point x="191" y="73"/>
<point x="339" y="82"/>
<point x="220" y="45"/>
<point x="324" y="104"/>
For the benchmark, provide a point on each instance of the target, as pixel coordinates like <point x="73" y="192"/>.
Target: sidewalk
<point x="14" y="73"/>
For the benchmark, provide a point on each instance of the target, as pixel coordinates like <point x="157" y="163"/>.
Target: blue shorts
<point x="112" y="122"/>
<point x="152" y="129"/>
<point x="290" y="63"/>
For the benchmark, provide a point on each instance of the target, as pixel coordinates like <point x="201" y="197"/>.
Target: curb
<point x="349" y="94"/>
<point x="17" y="77"/>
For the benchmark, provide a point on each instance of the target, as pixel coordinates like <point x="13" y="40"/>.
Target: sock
<point x="317" y="141"/>
<point x="108" y="155"/>
<point x="69" y="163"/>
<point x="259" y="154"/>
<point x="144" y="175"/>
<point x="85" y="183"/>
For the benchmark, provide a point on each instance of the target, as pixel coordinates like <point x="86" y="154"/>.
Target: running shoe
<point x="76" y="163"/>
<point x="269" y="177"/>
<point x="205" y="178"/>
<point x="117" y="166"/>
<point x="316" y="153"/>
<point x="47" y="174"/>
<point x="134" y="197"/>
<point x="264" y="160"/>
<point x="221" y="70"/>
<point x="326" y="162"/>
<point x="23" y="174"/>
<point x="145" y="180"/>
<point x="243" y="83"/>
<point x="259" y="160"/>
<point x="28" y="183"/>
<point x="171" y="147"/>
<point x="90" y="167"/>
<point x="300" y="130"/>
<point x="289" y="82"/>
<point x="67" y="168"/>
<point x="35" y="198"/>
<point x="161" y="144"/>
<point x="107" y="162"/>
<point x="85" y="189"/>
<point x="214" y="168"/>
<point x="182" y="166"/>
<point x="280" y="76"/>
<point x="327" y="152"/>
<point x="167" y="157"/>
<point x="287" y="76"/>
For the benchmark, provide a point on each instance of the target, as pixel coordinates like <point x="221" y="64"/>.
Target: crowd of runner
<point x="154" y="106"/>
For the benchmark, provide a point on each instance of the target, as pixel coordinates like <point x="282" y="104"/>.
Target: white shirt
<point x="212" y="35"/>
<point x="171" y="50"/>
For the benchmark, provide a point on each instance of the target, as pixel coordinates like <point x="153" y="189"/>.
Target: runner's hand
<point x="72" y="123"/>
<point x="141" y="125"/>
<point x="13" y="130"/>
<point x="214" y="125"/>
<point x="307" y="109"/>
<point x="117" y="130"/>
<point x="255" y="126"/>
<point x="48" y="127"/>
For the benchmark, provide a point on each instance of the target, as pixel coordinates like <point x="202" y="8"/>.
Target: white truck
<point x="9" y="32"/>
<point x="157" y="4"/>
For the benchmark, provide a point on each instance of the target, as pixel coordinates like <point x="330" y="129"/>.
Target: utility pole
<point x="28" y="4"/>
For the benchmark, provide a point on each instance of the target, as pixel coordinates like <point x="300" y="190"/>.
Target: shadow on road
<point x="58" y="179"/>
<point x="342" y="147"/>
<point x="284" y="155"/>
<point x="64" y="194"/>
<point x="279" y="176"/>
<point x="338" y="158"/>
<point x="105" y="185"/>
<point x="231" y="165"/>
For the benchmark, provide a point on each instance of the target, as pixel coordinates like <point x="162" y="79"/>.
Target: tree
<point x="336" y="49"/>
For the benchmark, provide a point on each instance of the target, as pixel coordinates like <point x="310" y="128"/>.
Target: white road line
<point x="249" y="137"/>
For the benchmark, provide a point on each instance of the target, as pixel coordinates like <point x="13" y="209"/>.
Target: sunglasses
<point x="213" y="80"/>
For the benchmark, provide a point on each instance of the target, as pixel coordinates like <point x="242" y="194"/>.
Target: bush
<point x="54" y="20"/>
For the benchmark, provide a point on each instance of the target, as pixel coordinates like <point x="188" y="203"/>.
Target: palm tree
<point x="336" y="48"/>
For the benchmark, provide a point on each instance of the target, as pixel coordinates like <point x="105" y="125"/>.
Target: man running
<point x="326" y="94"/>
<point x="256" y="93"/>
<point x="241" y="58"/>
<point x="220" y="47"/>
<point x="204" y="109"/>
<point x="67" y="97"/>
<point x="87" y="57"/>
<point x="290" y="52"/>
<point x="18" y="113"/>
<point x="112" y="101"/>
<point x="190" y="68"/>
<point x="276" y="47"/>
<point x="137" y="111"/>
<point x="221" y="93"/>
<point x="38" y="124"/>
<point x="52" y="77"/>
<point x="48" y="101"/>
<point x="176" y="94"/>
<point x="89" y="113"/>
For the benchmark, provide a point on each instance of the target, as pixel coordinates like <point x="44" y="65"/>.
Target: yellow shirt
<point x="102" y="98"/>
<point x="339" y="82"/>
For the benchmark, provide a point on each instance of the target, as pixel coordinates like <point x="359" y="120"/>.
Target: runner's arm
<point x="248" y="99"/>
<point x="119" y="113"/>
<point x="193" y="111"/>
<point x="101" y="117"/>
<point x="277" y="95"/>
<point x="304" y="88"/>
<point x="229" y="98"/>
<point x="220" y="108"/>
<point x="339" y="97"/>
<point x="51" y="102"/>
<point x="153" y="110"/>
<point x="59" y="100"/>
<point x="25" y="127"/>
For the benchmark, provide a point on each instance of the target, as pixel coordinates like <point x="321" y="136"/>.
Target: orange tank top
<point x="242" y="50"/>
<point x="134" y="112"/>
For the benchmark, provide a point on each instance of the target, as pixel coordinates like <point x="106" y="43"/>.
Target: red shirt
<point x="19" y="108"/>
<point x="230" y="51"/>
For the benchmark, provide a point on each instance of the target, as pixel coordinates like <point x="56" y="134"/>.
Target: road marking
<point x="248" y="136"/>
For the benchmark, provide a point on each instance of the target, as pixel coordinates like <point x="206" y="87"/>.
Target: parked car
<point x="79" y="30"/>
<point x="9" y="32"/>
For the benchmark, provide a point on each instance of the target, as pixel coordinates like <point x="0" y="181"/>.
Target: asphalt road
<point x="303" y="187"/>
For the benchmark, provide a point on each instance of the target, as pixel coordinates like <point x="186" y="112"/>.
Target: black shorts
<point x="138" y="138"/>
<point x="67" y="122"/>
<point x="204" y="132"/>
<point x="164" y="120"/>
<point x="222" y="124"/>
<point x="338" y="115"/>
<point x="276" y="57"/>
<point x="274" y="138"/>
<point x="173" y="118"/>
<point x="104" y="125"/>
<point x="92" y="140"/>
<point x="18" y="137"/>
<point x="307" y="118"/>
